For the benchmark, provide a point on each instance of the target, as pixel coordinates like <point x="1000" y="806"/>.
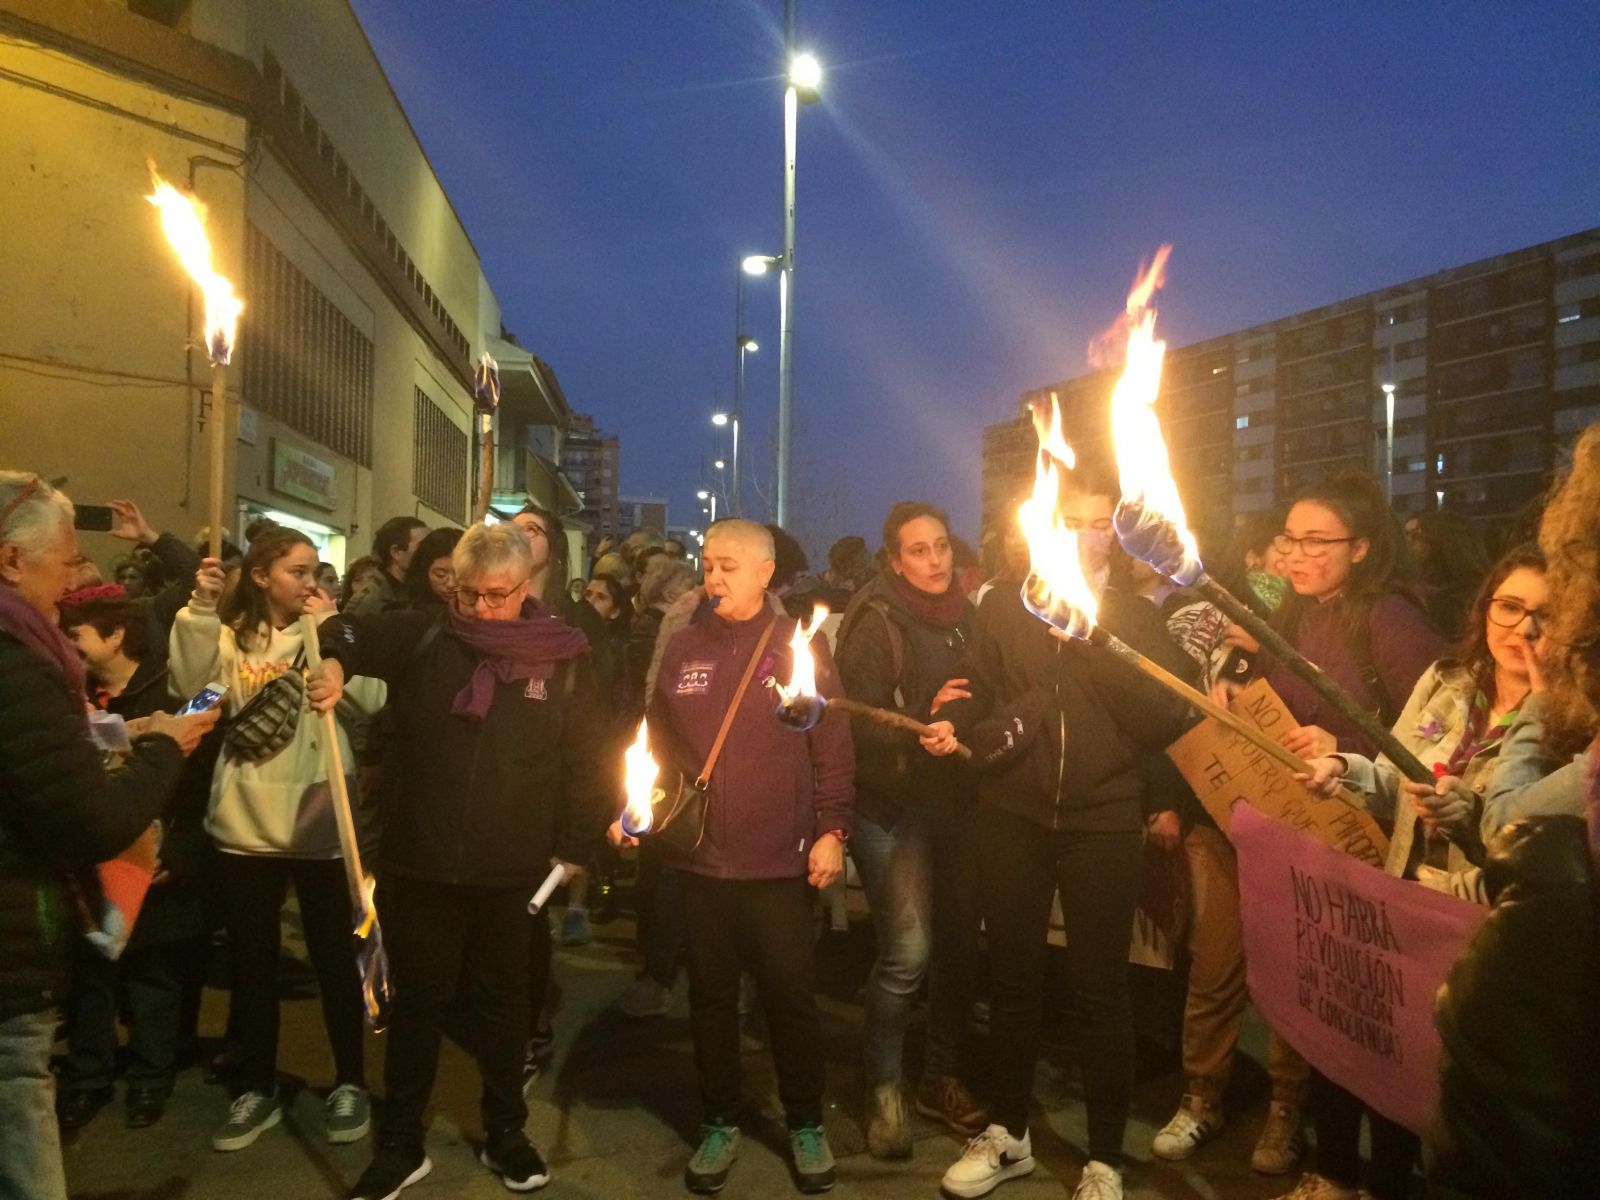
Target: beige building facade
<point x="366" y="304"/>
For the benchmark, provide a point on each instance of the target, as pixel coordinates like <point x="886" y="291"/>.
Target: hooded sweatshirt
<point x="282" y="806"/>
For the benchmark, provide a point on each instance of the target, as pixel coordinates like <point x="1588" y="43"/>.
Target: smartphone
<point x="205" y="699"/>
<point x="95" y="518"/>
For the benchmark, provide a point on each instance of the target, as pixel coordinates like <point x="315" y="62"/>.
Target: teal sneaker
<point x="813" y="1159"/>
<point x="252" y="1115"/>
<point x="707" y="1171"/>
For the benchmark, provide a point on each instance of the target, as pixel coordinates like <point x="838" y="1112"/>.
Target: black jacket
<point x="1058" y="728"/>
<point x="892" y="770"/>
<point x="173" y="910"/>
<point x="484" y="802"/>
<point x="60" y="812"/>
<point x="1519" y="1022"/>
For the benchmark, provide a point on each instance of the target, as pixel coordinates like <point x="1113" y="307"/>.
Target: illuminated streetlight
<point x="805" y="76"/>
<point x="760" y="264"/>
<point x="720" y="465"/>
<point x="719" y="419"/>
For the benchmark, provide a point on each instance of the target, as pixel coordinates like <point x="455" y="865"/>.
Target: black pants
<point x="256" y="886"/>
<point x="953" y="964"/>
<point x="763" y="926"/>
<point x="1336" y="1115"/>
<point x="147" y="979"/>
<point x="439" y="936"/>
<point x="660" y="909"/>
<point x="1021" y="865"/>
<point x="541" y="952"/>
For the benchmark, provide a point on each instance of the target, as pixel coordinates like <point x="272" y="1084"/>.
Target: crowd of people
<point x="479" y="691"/>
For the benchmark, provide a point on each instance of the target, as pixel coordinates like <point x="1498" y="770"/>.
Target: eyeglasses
<point x="1508" y="613"/>
<point x="1311" y="547"/>
<point x="494" y="599"/>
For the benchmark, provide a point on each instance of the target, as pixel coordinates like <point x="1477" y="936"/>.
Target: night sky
<point x="975" y="192"/>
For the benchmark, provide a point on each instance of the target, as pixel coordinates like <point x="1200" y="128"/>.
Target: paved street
<point x="616" y="1113"/>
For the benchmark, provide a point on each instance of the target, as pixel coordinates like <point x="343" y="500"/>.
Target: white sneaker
<point x="1280" y="1147"/>
<point x="1314" y="1187"/>
<point x="1100" y="1181"/>
<point x="990" y="1159"/>
<point x="1192" y="1126"/>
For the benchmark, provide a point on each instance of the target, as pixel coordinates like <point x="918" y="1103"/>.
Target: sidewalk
<point x="617" y="1113"/>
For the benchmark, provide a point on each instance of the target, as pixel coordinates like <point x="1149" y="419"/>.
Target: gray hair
<point x="663" y="576"/>
<point x="36" y="519"/>
<point x="757" y="537"/>
<point x="485" y="548"/>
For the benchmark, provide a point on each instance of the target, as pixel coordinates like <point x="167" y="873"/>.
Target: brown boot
<point x="947" y="1100"/>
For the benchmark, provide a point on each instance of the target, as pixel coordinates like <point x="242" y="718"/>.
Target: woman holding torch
<point x="777" y="813"/>
<point x="498" y="765"/>
<point x="1057" y="729"/>
<point x="902" y="638"/>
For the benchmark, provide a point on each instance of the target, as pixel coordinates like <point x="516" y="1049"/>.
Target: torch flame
<point x="1150" y="519"/>
<point x="183" y="221"/>
<point x="639" y="773"/>
<point x="1056" y="591"/>
<point x="803" y="679"/>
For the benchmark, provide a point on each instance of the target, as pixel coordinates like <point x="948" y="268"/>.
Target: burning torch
<point x="486" y="398"/>
<point x="1153" y="528"/>
<point x="1058" y="593"/>
<point x="801" y="706"/>
<point x="183" y="221"/>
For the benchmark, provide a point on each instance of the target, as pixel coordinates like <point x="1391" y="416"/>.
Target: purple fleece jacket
<point x="774" y="789"/>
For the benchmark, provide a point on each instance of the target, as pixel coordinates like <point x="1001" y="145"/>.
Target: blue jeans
<point x="918" y="877"/>
<point x="30" y="1141"/>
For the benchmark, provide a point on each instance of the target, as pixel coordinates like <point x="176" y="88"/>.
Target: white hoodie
<point x="282" y="806"/>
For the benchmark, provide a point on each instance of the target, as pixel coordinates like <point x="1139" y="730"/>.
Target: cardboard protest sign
<point x="1227" y="770"/>
<point x="1344" y="962"/>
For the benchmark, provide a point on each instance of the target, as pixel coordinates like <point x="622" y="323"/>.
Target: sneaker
<point x="813" y="1159"/>
<point x="1192" y="1126"/>
<point x="1314" y="1187"/>
<point x="646" y="998"/>
<point x="512" y="1157"/>
<point x="348" y="1113"/>
<point x="947" y="1100"/>
<point x="713" y="1158"/>
<point x="889" y="1130"/>
<point x="252" y="1115"/>
<point x="990" y="1159"/>
<point x="392" y="1170"/>
<point x="1280" y="1146"/>
<point x="575" y="929"/>
<point x="1100" y="1181"/>
<point x="76" y="1107"/>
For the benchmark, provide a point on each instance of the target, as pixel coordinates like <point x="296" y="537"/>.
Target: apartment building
<point x="1460" y="390"/>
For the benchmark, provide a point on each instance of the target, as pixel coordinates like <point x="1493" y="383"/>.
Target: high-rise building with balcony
<point x="1490" y="369"/>
<point x="590" y="458"/>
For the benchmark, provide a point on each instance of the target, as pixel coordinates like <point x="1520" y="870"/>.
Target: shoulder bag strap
<point x="733" y="709"/>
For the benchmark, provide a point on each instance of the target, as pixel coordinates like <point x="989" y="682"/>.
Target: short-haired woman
<point x="271" y="815"/>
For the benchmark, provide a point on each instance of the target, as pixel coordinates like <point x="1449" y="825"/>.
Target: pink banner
<point x="1344" y="962"/>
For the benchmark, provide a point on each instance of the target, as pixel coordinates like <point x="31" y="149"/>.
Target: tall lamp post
<point x="1388" y="442"/>
<point x="743" y="343"/>
<point x="804" y="76"/>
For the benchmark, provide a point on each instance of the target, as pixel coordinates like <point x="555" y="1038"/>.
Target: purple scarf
<point x="527" y="648"/>
<point x="41" y="635"/>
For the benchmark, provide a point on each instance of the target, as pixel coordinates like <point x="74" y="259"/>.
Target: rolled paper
<point x="552" y="881"/>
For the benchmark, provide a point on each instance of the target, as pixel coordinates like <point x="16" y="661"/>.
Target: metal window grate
<point x="439" y="460"/>
<point x="305" y="363"/>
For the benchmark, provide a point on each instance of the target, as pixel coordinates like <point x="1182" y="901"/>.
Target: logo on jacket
<point x="695" y="678"/>
<point x="535" y="690"/>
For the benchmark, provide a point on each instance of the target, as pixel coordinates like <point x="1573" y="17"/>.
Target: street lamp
<point x="804" y="83"/>
<point x="719" y="419"/>
<point x="720" y="465"/>
<point x="743" y="343"/>
<point x="1388" y="441"/>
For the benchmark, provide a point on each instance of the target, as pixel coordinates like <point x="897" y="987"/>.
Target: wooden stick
<point x="485" y="463"/>
<point x="885" y="716"/>
<point x="343" y="815"/>
<point x="1262" y="741"/>
<point x="219" y="452"/>
<point x="1274" y="643"/>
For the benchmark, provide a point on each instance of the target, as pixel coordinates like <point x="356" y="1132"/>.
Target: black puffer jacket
<point x="892" y="770"/>
<point x="1057" y="729"/>
<point x="60" y="812"/>
<point x="1519" y="1018"/>
<point x="480" y="802"/>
